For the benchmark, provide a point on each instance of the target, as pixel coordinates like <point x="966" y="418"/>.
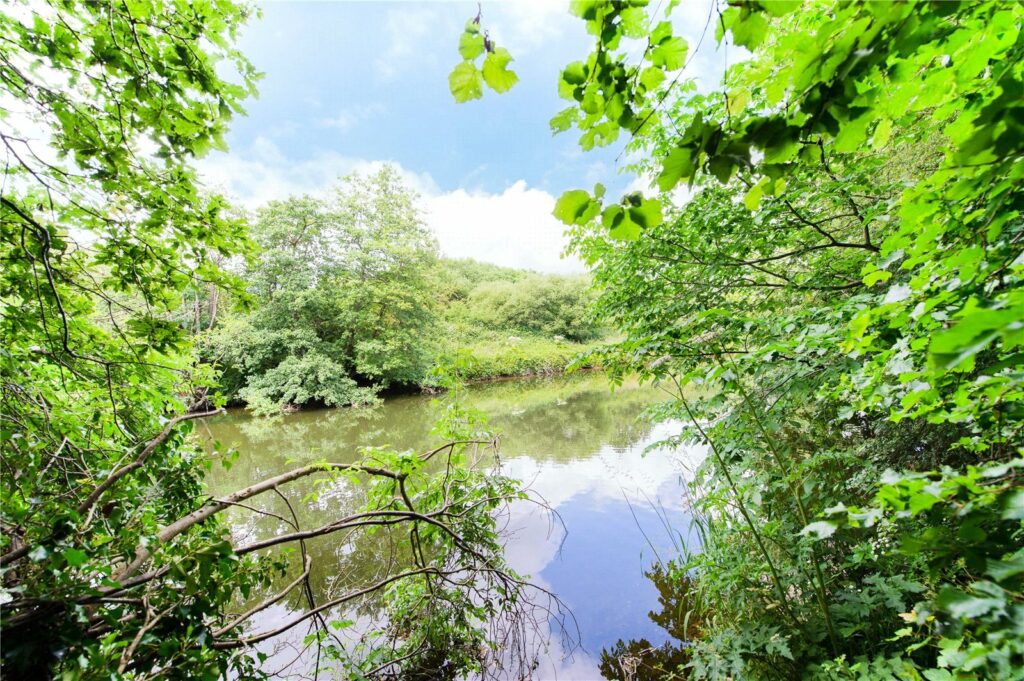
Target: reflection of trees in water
<point x="549" y="420"/>
<point x="639" y="659"/>
<point x="342" y="562"/>
<point x="576" y="425"/>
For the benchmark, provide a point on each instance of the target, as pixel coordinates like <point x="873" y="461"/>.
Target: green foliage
<point x="291" y="347"/>
<point x="511" y="322"/>
<point x="843" y="285"/>
<point x="343" y="304"/>
<point x="947" y="522"/>
<point x="624" y="220"/>
<point x="114" y="563"/>
<point x="467" y="80"/>
<point x="549" y="305"/>
<point x="496" y="356"/>
<point x="487" y="297"/>
<point x="102" y="226"/>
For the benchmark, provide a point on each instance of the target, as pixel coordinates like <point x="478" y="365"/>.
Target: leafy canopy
<point x="343" y="299"/>
<point x="829" y="276"/>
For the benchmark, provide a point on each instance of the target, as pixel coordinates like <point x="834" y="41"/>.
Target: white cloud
<point x="611" y="473"/>
<point x="525" y="25"/>
<point x="514" y="228"/>
<point x="350" y="117"/>
<point x="262" y="173"/>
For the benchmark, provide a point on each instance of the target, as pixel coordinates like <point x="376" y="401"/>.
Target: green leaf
<point x="778" y="8"/>
<point x="1013" y="505"/>
<point x="678" y="164"/>
<point x="877" y="276"/>
<point x="571" y="206"/>
<point x="882" y="132"/>
<point x="652" y="77"/>
<point x="75" y="557"/>
<point x="750" y="31"/>
<point x="1002" y="570"/>
<point x="752" y="199"/>
<point x="646" y="215"/>
<point x="976" y="330"/>
<point x="922" y="501"/>
<point x="633" y="22"/>
<point x="496" y="73"/>
<point x="966" y="606"/>
<point x="564" y="119"/>
<point x="738" y="100"/>
<point x="670" y="54"/>
<point x="853" y="134"/>
<point x="466" y="82"/>
<point x="471" y="45"/>
<point x="619" y="224"/>
<point x="661" y="32"/>
<point x="575" y="73"/>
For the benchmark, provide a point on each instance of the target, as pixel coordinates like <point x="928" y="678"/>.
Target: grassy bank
<point x="499" y="355"/>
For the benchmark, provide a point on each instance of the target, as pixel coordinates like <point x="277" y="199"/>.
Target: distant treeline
<point x="348" y="296"/>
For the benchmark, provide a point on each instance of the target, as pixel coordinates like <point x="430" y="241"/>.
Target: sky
<point x="349" y="86"/>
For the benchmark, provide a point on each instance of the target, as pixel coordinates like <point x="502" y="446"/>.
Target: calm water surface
<point x="578" y="445"/>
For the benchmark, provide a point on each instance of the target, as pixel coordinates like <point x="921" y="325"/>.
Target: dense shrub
<point x="342" y="303"/>
<point x="834" y="259"/>
<point x="549" y="305"/>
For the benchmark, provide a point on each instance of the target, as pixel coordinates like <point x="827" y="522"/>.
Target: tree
<point x="343" y="304"/>
<point x="102" y="217"/>
<point x="115" y="563"/>
<point x="821" y="173"/>
<point x="839" y="295"/>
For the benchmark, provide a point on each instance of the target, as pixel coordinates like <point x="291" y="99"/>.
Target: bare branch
<point x="171" y="531"/>
<point x="237" y="643"/>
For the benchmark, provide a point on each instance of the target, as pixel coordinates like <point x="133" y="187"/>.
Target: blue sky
<point x="351" y="85"/>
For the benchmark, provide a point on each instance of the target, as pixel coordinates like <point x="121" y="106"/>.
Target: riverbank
<point x="508" y="356"/>
<point x="488" y="356"/>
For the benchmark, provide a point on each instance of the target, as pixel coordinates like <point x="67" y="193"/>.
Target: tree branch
<point x="171" y="531"/>
<point x="239" y="642"/>
<point x="267" y="603"/>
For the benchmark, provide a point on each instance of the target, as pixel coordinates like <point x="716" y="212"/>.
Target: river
<point x="581" y="447"/>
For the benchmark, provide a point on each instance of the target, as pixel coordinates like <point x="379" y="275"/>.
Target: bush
<point x="549" y="305"/>
<point x="518" y="356"/>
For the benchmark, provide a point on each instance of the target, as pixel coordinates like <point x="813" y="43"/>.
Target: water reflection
<point x="641" y="659"/>
<point x="579" y="446"/>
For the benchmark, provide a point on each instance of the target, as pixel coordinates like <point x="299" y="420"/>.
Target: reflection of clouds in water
<point x="612" y="472"/>
<point x="618" y="506"/>
<point x="622" y="510"/>
<point x="558" y="653"/>
<point x="288" y="655"/>
<point x="577" y="445"/>
<point x="533" y="537"/>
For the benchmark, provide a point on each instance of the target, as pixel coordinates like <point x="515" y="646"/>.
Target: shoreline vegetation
<point x="825" y="271"/>
<point x="347" y="297"/>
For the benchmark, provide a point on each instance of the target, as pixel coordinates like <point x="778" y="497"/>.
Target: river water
<point x="580" y="446"/>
